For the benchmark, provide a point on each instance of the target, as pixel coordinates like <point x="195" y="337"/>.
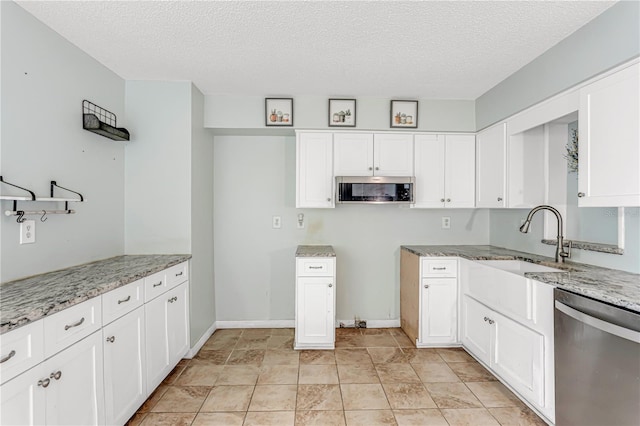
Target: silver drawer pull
<point x="440" y="269"/>
<point x="173" y="299"/>
<point x="316" y="267"/>
<point x="124" y="300"/>
<point x="330" y="285"/>
<point x="157" y="285"/>
<point x="56" y="375"/>
<point x="486" y="319"/>
<point x="179" y="273"/>
<point x="8" y="357"/>
<point x="44" y="382"/>
<point x="426" y="286"/>
<point x="68" y="326"/>
<point x="111" y="339"/>
<point x="491" y="321"/>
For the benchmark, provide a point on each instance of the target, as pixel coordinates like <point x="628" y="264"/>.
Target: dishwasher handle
<point x="614" y="329"/>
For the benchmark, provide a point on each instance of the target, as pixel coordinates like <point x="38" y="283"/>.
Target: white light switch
<point x="276" y="222"/>
<point x="28" y="232"/>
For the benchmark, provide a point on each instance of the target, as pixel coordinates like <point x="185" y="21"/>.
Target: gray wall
<point x="610" y="39"/>
<point x="202" y="296"/>
<point x="254" y="179"/>
<point x="44" y="80"/>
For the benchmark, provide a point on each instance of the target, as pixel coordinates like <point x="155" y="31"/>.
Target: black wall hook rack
<point x="33" y="195"/>
<point x="103" y="122"/>
<point x="54" y="185"/>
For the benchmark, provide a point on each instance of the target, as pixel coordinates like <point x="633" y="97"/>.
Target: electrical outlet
<point x="300" y="223"/>
<point x="446" y="222"/>
<point x="276" y="222"/>
<point x="28" y="232"/>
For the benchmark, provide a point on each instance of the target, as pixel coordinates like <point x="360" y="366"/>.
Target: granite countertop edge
<point x="619" y="288"/>
<point x="55" y="291"/>
<point x="315" y="251"/>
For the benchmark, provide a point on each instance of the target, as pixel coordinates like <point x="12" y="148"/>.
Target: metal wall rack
<point x="103" y="122"/>
<point x="32" y="197"/>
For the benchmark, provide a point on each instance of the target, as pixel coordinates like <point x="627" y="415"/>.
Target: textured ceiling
<point x="429" y="49"/>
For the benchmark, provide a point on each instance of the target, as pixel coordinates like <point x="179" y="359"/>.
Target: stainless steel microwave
<point x="375" y="189"/>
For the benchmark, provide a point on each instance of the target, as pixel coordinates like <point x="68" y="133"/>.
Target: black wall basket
<point x="103" y="122"/>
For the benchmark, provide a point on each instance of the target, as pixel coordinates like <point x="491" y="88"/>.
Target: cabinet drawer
<point x="71" y="325"/>
<point x="177" y="274"/>
<point x="439" y="267"/>
<point x="155" y="285"/>
<point x="121" y="301"/>
<point x="315" y="266"/>
<point x="21" y="349"/>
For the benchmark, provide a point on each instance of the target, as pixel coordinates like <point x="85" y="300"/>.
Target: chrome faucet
<point x="560" y="253"/>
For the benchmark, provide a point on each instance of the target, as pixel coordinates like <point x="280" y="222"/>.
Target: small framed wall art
<point x="404" y="114"/>
<point x="278" y="111"/>
<point x="342" y="113"/>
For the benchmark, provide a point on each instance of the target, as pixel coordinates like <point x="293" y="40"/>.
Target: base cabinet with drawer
<point x="315" y="303"/>
<point x="429" y="299"/>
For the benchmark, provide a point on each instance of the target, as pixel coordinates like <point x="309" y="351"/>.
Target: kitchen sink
<point x="519" y="266"/>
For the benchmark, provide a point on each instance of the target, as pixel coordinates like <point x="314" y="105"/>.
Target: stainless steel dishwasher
<point x="597" y="362"/>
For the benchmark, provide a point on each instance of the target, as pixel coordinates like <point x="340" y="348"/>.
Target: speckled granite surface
<point x="30" y="299"/>
<point x="609" y="285"/>
<point x="315" y="251"/>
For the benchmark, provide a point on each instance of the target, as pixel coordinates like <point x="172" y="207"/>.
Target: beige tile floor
<point x="373" y="377"/>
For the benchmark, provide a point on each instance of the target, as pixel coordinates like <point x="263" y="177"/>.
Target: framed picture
<point x="404" y="114"/>
<point x="278" y="111"/>
<point x="342" y="113"/>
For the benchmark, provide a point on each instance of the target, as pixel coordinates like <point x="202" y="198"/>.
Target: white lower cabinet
<point x="315" y="303"/>
<point x="166" y="329"/>
<point x="438" y="322"/>
<point x="124" y="367"/>
<point x="66" y="389"/>
<point x="513" y="351"/>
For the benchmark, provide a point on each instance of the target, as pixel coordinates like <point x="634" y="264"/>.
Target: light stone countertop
<point x="616" y="287"/>
<point x="315" y="251"/>
<point x="30" y="299"/>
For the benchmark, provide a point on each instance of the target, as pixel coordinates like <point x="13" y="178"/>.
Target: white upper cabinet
<point x="445" y="171"/>
<point x="609" y="148"/>
<point x="368" y="154"/>
<point x="314" y="170"/>
<point x="491" y="167"/>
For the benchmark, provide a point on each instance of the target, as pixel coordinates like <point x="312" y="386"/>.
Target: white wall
<point x="311" y="112"/>
<point x="202" y="296"/>
<point x="254" y="179"/>
<point x="44" y="80"/>
<point x="158" y="168"/>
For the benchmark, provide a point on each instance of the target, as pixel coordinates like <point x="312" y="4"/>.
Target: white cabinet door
<point x="353" y="154"/>
<point x="438" y="305"/>
<point x="314" y="170"/>
<point x="460" y="171"/>
<point x="75" y="395"/>
<point x="490" y="167"/>
<point x="476" y="330"/>
<point x="22" y="399"/>
<point x="177" y="322"/>
<point x="393" y="154"/>
<point x="156" y="346"/>
<point x="430" y="171"/>
<point x="124" y="367"/>
<point x="518" y="357"/>
<point x="315" y="311"/>
<point x="609" y="152"/>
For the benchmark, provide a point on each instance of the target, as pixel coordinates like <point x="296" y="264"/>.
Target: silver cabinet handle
<point x="56" y="375"/>
<point x="124" y="300"/>
<point x="75" y="324"/>
<point x="315" y="267"/>
<point x="499" y="198"/>
<point x="111" y="339"/>
<point x="426" y="286"/>
<point x="330" y="285"/>
<point x="442" y="200"/>
<point x="486" y="319"/>
<point x="329" y="199"/>
<point x="377" y="168"/>
<point x="448" y="200"/>
<point x="443" y="268"/>
<point x="173" y="299"/>
<point x="8" y="357"/>
<point x="370" y="168"/>
<point x="580" y="194"/>
<point x="44" y="382"/>
<point x="491" y="321"/>
<point x="158" y="284"/>
<point x="179" y="273"/>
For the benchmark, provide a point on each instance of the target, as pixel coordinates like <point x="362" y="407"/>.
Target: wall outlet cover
<point x="28" y="232"/>
<point x="446" y="222"/>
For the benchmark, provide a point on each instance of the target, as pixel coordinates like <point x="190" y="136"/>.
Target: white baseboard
<point x="256" y="324"/>
<point x="395" y="323"/>
<point x="194" y="350"/>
